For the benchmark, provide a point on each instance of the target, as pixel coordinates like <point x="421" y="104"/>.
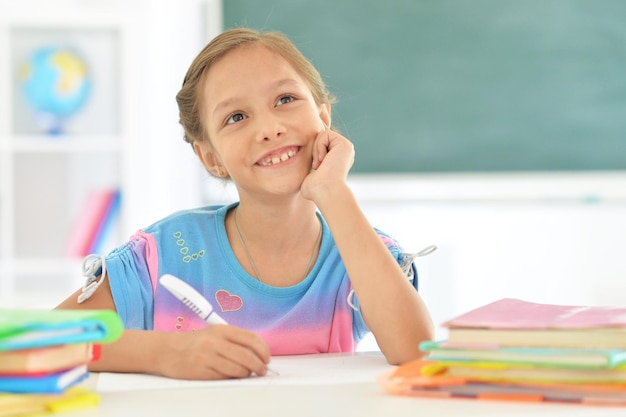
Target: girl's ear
<point x="325" y="114"/>
<point x="210" y="160"/>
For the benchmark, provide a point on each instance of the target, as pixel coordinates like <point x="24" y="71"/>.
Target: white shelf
<point x="130" y="139"/>
<point x="67" y="144"/>
<point x="45" y="178"/>
<point x="43" y="266"/>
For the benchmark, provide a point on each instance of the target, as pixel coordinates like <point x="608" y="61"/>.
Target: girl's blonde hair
<point x="189" y="98"/>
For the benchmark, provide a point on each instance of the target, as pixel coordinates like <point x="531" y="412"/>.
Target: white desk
<point x="345" y="397"/>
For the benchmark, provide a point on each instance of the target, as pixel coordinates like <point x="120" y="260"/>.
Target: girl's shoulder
<point x="389" y="241"/>
<point x="190" y="217"/>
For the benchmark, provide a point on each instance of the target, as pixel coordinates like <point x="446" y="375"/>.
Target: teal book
<point x="443" y="351"/>
<point x="44" y="384"/>
<point x="23" y="329"/>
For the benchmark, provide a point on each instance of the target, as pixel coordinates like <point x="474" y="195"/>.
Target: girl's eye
<point x="285" y="100"/>
<point x="234" y="118"/>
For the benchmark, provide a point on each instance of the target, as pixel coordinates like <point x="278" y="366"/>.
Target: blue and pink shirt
<point x="313" y="316"/>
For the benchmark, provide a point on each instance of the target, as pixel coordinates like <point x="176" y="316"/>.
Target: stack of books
<point x="44" y="355"/>
<point x="517" y="350"/>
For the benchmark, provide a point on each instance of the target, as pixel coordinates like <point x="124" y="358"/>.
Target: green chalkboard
<point x="465" y="86"/>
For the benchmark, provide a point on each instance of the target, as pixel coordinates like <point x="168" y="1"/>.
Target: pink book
<point x="510" y="313"/>
<point x="88" y="222"/>
<point x="106" y="223"/>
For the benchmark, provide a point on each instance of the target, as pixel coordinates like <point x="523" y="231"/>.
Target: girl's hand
<point x="333" y="156"/>
<point x="215" y="352"/>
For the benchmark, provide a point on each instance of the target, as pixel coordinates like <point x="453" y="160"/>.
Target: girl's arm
<point x="216" y="352"/>
<point x="392" y="309"/>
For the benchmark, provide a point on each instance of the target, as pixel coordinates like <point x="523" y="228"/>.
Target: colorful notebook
<point x="508" y="372"/>
<point x="516" y="350"/>
<point x="43" y="360"/>
<point x="98" y="241"/>
<point x="23" y="329"/>
<point x="514" y="314"/>
<point x="416" y="379"/>
<point x="76" y="398"/>
<point x="444" y="351"/>
<point x="50" y="383"/>
<point x="100" y="206"/>
<point x="512" y="322"/>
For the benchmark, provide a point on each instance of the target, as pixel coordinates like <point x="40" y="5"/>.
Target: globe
<point x="56" y="84"/>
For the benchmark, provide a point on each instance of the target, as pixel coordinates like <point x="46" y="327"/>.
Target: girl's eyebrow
<point x="282" y="83"/>
<point x="225" y="103"/>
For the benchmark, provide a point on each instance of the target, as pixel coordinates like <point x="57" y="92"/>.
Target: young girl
<point x="294" y="267"/>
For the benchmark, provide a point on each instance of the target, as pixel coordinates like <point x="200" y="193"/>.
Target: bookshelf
<point x="112" y="141"/>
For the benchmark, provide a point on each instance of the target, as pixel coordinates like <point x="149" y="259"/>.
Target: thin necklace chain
<point x="245" y="248"/>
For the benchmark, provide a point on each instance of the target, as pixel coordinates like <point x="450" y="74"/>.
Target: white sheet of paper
<point x="292" y="370"/>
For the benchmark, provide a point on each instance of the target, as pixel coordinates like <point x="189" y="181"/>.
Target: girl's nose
<point x="270" y="127"/>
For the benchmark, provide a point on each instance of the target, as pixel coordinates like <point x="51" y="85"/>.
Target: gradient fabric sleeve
<point x="129" y="279"/>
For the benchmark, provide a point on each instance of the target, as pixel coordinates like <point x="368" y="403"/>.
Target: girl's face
<point x="262" y="121"/>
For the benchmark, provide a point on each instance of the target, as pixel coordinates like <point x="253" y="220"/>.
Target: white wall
<point x="166" y="173"/>
<point x="553" y="238"/>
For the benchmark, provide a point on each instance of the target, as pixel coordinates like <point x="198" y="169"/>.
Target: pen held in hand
<point x="195" y="301"/>
<point x="191" y="298"/>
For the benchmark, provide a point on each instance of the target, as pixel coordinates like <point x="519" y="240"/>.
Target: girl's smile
<point x="279" y="156"/>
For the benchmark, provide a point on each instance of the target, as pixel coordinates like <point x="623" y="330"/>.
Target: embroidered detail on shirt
<point x="179" y="322"/>
<point x="184" y="250"/>
<point x="228" y="301"/>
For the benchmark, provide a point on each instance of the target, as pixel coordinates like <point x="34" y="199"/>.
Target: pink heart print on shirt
<point x="227" y="301"/>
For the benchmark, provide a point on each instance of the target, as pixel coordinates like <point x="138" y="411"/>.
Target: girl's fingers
<point x="251" y="341"/>
<point x="320" y="147"/>
<point x="220" y="352"/>
<point x="240" y="361"/>
<point x="248" y="350"/>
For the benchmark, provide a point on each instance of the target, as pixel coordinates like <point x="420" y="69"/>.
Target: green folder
<point x="23" y="329"/>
